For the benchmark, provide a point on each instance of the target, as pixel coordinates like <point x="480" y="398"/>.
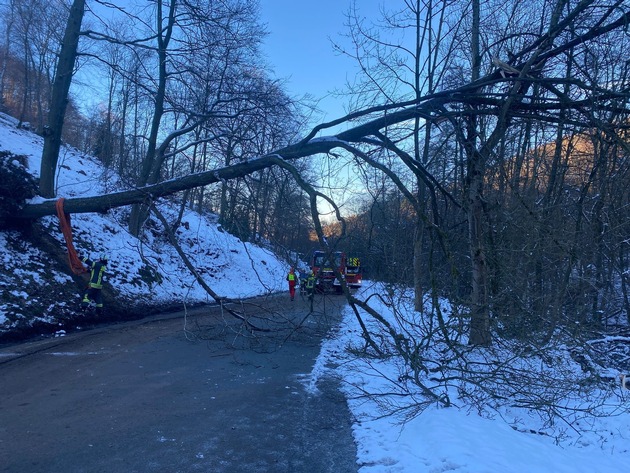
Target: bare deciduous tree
<point x="59" y="98"/>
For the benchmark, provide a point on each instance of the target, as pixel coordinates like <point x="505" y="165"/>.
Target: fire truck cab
<point x="323" y="269"/>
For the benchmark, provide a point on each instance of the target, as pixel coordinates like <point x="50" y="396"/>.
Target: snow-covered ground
<point x="457" y="439"/>
<point x="439" y="440"/>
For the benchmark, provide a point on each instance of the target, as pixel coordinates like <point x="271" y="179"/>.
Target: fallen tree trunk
<point x="147" y="194"/>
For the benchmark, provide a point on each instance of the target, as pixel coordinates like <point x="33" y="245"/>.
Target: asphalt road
<point x="193" y="393"/>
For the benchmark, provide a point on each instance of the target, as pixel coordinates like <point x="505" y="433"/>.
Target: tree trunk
<point x="59" y="99"/>
<point x="418" y="267"/>
<point x="152" y="162"/>
<point x="479" y="313"/>
<point x="6" y="49"/>
<point x="480" y="318"/>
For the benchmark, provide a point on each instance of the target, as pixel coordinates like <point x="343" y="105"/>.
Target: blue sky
<point x="298" y="46"/>
<point x="299" y="49"/>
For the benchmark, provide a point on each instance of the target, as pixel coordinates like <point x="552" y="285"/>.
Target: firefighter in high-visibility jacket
<point x="310" y="284"/>
<point x="94" y="291"/>
<point x="293" y="280"/>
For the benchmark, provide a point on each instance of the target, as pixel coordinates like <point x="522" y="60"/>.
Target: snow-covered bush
<point x="16" y="185"/>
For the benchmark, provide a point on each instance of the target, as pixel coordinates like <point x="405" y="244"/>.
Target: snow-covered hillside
<point x="37" y="288"/>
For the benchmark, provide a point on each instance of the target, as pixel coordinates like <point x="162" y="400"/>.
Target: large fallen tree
<point x="307" y="147"/>
<point x="432" y="107"/>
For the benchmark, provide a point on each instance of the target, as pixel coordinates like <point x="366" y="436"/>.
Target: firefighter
<point x="292" y="278"/>
<point x="93" y="293"/>
<point x="302" y="278"/>
<point x="310" y="287"/>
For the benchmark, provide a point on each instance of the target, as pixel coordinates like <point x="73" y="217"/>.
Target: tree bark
<point x="59" y="100"/>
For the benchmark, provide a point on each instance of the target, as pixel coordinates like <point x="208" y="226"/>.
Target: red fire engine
<point x="349" y="268"/>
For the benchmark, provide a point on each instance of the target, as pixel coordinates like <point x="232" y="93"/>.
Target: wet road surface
<point x="178" y="393"/>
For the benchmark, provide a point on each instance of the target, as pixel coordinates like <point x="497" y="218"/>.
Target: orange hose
<point x="76" y="265"/>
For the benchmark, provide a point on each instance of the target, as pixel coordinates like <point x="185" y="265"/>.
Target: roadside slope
<point x="39" y="294"/>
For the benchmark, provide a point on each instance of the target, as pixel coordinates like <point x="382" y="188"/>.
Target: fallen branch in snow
<point x="221" y="300"/>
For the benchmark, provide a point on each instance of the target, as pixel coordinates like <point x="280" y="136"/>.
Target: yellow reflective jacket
<point x="97" y="270"/>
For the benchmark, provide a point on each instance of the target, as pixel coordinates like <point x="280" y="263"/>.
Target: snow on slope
<point x="147" y="270"/>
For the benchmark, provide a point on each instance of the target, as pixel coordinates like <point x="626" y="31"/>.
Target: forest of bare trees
<point x="184" y="90"/>
<point x="487" y="142"/>
<point x="510" y="171"/>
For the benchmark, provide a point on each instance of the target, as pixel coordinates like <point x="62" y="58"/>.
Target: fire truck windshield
<point x="320" y="260"/>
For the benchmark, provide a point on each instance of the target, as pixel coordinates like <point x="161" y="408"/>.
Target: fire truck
<point x="323" y="269"/>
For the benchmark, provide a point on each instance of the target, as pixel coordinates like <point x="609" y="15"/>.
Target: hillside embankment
<point x="43" y="305"/>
